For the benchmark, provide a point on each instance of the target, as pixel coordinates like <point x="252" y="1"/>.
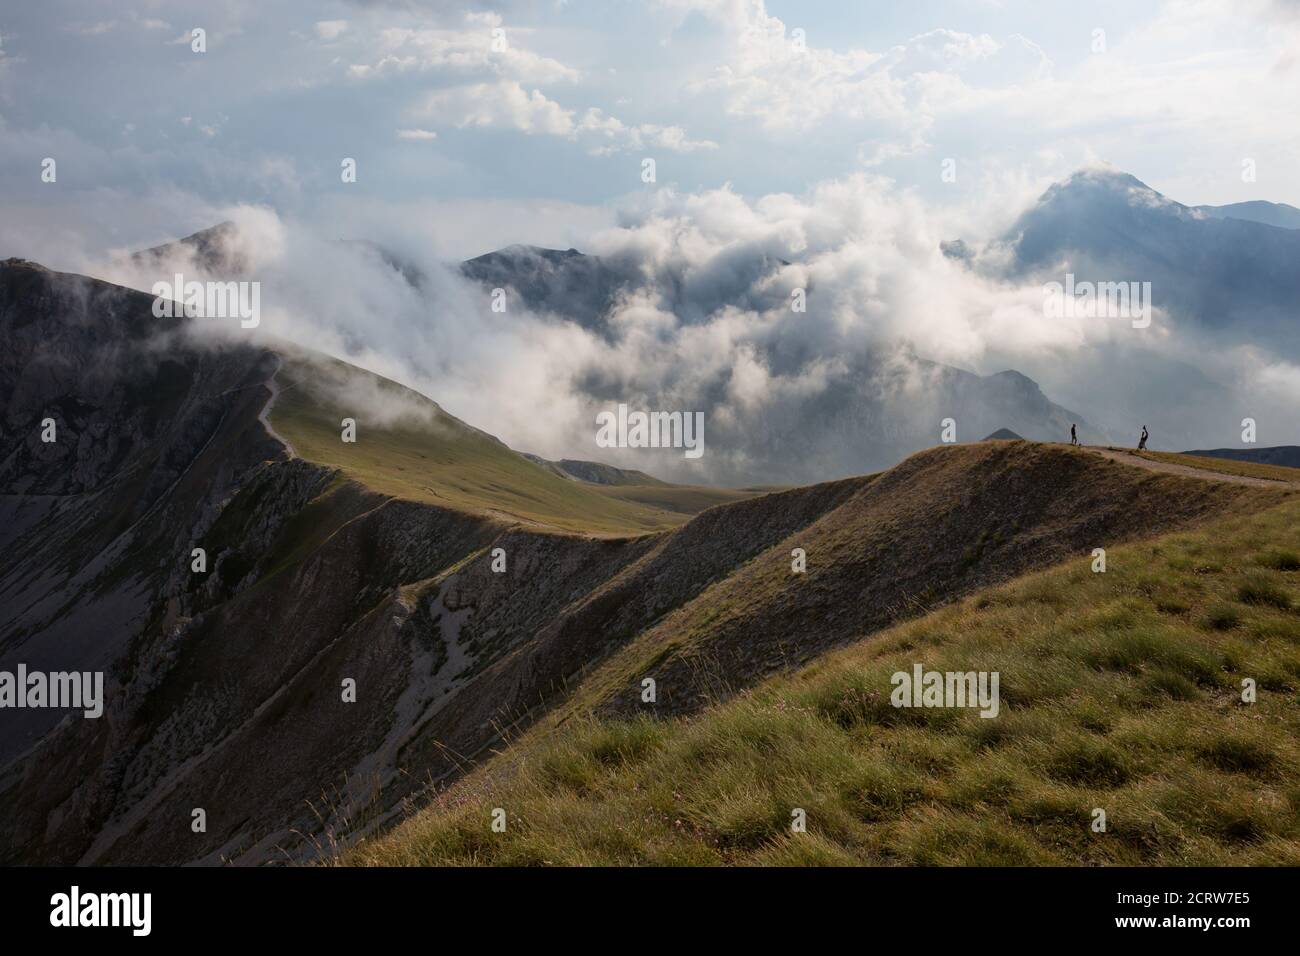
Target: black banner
<point x="332" y="905"/>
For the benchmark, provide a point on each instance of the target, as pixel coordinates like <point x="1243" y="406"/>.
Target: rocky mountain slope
<point x="161" y="447"/>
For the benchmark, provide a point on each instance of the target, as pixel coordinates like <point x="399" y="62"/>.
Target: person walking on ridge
<point x="1074" y="438"/>
<point x="1142" y="442"/>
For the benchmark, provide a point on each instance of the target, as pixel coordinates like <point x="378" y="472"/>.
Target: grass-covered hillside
<point x="1120" y="691"/>
<point x="942" y="524"/>
<point x="410" y="448"/>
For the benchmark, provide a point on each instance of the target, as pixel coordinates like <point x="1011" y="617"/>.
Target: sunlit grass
<point x="420" y="453"/>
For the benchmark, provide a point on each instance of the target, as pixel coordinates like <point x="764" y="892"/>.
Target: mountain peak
<point x="1108" y="188"/>
<point x="212" y="249"/>
<point x="1104" y="175"/>
<point x="518" y="250"/>
<point x="1003" y="434"/>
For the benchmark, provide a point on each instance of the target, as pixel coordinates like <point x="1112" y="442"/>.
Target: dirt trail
<point x="1131" y="458"/>
<point x="265" y="416"/>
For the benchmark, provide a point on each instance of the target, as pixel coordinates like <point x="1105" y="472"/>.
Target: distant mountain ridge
<point x="863" y="420"/>
<point x="594" y="472"/>
<point x="1224" y="270"/>
<point x="1269" y="213"/>
<point x="1221" y="281"/>
<point x="563" y="282"/>
<point x="1288" y="455"/>
<point x="1219" y="266"/>
<point x="849" y="428"/>
<point x="214" y="250"/>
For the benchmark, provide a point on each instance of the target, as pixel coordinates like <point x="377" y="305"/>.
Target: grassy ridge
<point x="945" y="522"/>
<point x="1228" y="466"/>
<point x="1120" y="691"/>
<point x="421" y="453"/>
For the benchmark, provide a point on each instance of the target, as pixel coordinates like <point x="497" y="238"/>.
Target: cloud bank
<point x="704" y="319"/>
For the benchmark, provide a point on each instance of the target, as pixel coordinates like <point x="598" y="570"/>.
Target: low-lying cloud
<point x="704" y="319"/>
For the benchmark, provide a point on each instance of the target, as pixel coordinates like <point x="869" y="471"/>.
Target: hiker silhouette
<point x="1074" y="439"/>
<point x="1142" y="442"/>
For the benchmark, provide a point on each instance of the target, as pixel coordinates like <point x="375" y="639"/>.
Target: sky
<point x="541" y="138"/>
<point x="837" y="143"/>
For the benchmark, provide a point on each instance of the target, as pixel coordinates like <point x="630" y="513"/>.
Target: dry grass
<point x="1120" y="691"/>
<point x="1227" y="466"/>
<point x="945" y="522"/>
